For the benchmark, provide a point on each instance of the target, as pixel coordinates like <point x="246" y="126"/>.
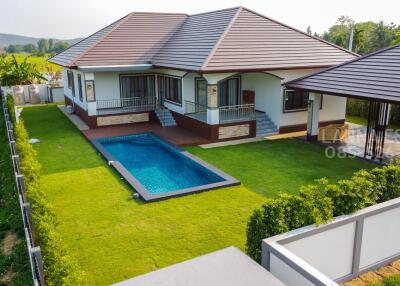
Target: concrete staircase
<point x="165" y="116"/>
<point x="265" y="126"/>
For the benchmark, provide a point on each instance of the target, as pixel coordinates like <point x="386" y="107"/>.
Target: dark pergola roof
<point x="375" y="76"/>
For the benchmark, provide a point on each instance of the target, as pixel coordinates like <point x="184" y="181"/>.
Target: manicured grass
<point x="114" y="237"/>
<point x="41" y="62"/>
<point x="14" y="259"/>
<point x="270" y="167"/>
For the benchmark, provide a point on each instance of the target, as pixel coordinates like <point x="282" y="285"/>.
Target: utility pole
<point x="351" y="36"/>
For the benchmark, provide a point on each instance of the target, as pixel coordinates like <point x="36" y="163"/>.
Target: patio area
<point x="355" y="143"/>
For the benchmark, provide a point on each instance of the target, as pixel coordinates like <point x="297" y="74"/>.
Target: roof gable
<point x="254" y="41"/>
<point x="376" y="75"/>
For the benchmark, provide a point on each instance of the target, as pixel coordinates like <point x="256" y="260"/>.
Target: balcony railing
<point x="196" y="110"/>
<point x="233" y="113"/>
<point x="125" y="105"/>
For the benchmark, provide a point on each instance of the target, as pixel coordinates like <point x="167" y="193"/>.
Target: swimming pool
<point x="157" y="169"/>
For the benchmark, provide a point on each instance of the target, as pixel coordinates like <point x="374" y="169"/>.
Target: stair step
<point x="165" y="117"/>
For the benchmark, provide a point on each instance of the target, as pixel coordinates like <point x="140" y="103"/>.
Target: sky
<point x="66" y="19"/>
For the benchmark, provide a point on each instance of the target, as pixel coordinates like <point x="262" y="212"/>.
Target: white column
<point x="92" y="108"/>
<point x="314" y="104"/>
<point x="212" y="101"/>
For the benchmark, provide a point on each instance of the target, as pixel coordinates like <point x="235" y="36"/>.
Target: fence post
<point x="37" y="255"/>
<point x="21" y="184"/>
<point x="13" y="147"/>
<point x="15" y="159"/>
<point x="357" y="246"/>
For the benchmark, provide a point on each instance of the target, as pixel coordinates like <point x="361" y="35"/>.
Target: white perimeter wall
<point x="330" y="249"/>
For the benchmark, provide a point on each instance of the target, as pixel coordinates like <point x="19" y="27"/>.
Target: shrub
<point x="319" y="203"/>
<point x="11" y="107"/>
<point x="60" y="269"/>
<point x="284" y="213"/>
<point x="387" y="179"/>
<point x="351" y="195"/>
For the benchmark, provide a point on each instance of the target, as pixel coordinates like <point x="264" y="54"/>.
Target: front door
<point x="201" y="94"/>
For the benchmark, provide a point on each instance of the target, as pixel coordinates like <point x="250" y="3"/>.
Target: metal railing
<point x="34" y="252"/>
<point x="123" y="105"/>
<point x="232" y="113"/>
<point x="196" y="110"/>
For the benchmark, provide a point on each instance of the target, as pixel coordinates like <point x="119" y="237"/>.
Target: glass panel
<point x="201" y="92"/>
<point x="228" y="92"/>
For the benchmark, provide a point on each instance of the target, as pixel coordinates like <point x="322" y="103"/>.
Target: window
<point x="90" y="94"/>
<point x="228" y="92"/>
<point x="296" y="100"/>
<point x="80" y="88"/>
<point x="139" y="86"/>
<point x="71" y="83"/>
<point x="169" y="88"/>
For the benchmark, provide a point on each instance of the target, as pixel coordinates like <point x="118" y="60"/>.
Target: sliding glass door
<point x="228" y="92"/>
<point x="137" y="90"/>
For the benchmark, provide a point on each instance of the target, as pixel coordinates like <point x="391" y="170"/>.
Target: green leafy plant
<point x="13" y="72"/>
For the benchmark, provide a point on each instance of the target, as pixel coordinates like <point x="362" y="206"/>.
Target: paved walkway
<point x="173" y="134"/>
<point x="74" y="119"/>
<point x="375" y="276"/>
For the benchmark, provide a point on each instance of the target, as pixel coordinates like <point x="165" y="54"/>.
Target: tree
<point x="309" y="30"/>
<point x="51" y="45"/>
<point x="14" y="49"/>
<point x="43" y="45"/>
<point x="30" y="48"/>
<point x="60" y="46"/>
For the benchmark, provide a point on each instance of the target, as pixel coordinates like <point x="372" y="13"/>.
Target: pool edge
<point x="229" y="181"/>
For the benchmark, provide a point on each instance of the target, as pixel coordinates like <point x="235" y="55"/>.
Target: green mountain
<point x="10" y="39"/>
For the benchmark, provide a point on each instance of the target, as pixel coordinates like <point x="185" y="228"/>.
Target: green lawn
<point x="364" y="121"/>
<point x="114" y="237"/>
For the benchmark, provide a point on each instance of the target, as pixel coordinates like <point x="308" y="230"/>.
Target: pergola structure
<point x="374" y="77"/>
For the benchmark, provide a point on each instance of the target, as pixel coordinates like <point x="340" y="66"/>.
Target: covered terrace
<point x="374" y="77"/>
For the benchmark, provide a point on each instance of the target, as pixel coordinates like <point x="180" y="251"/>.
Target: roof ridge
<point x="216" y="45"/>
<point x="299" y="31"/>
<point x="345" y="63"/>
<point x="213" y="11"/>
<point x="122" y="20"/>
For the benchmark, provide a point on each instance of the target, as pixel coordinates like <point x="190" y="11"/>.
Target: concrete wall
<point x="338" y="251"/>
<point x="43" y="92"/>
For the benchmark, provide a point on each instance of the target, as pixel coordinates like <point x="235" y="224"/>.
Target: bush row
<point x="317" y="204"/>
<point x="59" y="267"/>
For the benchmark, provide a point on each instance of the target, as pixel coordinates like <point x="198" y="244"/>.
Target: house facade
<point x="218" y="74"/>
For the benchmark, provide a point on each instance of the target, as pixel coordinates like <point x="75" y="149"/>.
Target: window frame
<point x="121" y="76"/>
<point x="179" y="88"/>
<point x="79" y="78"/>
<point x="239" y="98"/>
<point x="94" y="90"/>
<point x="285" y="110"/>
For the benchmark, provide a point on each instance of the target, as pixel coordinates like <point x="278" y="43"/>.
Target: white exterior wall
<point x="68" y="91"/>
<point x="268" y="93"/>
<point x="267" y="86"/>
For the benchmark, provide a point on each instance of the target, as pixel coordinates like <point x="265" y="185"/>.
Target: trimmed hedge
<point x="11" y="107"/>
<point x="59" y="267"/>
<point x="317" y="204"/>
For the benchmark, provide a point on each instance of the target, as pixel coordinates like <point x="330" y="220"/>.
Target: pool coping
<point x="142" y="190"/>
